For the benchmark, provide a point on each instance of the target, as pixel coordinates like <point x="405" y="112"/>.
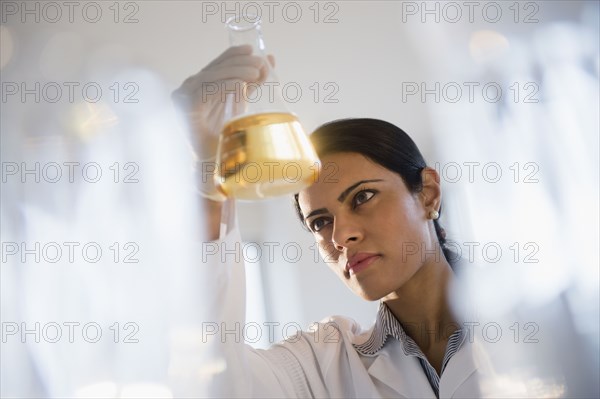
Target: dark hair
<point x="383" y="143"/>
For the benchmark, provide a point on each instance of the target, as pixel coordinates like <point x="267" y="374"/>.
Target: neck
<point x="421" y="305"/>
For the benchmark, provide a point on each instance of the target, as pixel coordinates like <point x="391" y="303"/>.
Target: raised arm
<point x="207" y="362"/>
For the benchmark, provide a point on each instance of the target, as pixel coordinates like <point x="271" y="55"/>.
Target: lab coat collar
<point x="402" y="372"/>
<point x="460" y="367"/>
<point x="405" y="376"/>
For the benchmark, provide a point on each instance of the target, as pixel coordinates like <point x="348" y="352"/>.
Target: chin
<point x="370" y="295"/>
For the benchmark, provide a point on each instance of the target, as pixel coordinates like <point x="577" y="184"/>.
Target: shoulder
<point x="313" y="360"/>
<point x="340" y="328"/>
<point x="342" y="324"/>
<point x="326" y="338"/>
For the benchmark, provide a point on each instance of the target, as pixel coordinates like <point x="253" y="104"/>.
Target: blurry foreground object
<point x="100" y="242"/>
<point x="525" y="199"/>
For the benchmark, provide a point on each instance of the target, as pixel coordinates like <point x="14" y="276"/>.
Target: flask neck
<point x="246" y="30"/>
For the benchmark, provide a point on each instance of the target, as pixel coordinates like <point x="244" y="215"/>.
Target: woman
<point x="376" y="225"/>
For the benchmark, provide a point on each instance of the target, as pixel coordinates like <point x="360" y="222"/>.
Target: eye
<point x="318" y="223"/>
<point x="362" y="196"/>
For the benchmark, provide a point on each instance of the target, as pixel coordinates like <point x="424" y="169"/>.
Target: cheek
<point x="328" y="252"/>
<point x="401" y="223"/>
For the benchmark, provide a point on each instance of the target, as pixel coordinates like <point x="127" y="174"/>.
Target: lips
<point x="360" y="261"/>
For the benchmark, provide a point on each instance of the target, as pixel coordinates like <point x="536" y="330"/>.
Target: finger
<point x="271" y="59"/>
<point x="245" y="49"/>
<point x="216" y="72"/>
<point x="208" y="73"/>
<point x="245" y="73"/>
<point x="238" y="55"/>
<point x="240" y="60"/>
<point x="221" y="79"/>
<point x="213" y="77"/>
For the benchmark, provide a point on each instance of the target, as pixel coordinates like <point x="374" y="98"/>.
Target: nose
<point x="346" y="232"/>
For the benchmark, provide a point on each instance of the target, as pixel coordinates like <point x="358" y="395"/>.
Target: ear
<point x="431" y="194"/>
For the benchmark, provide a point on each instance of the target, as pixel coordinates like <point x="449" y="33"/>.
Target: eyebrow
<point x="342" y="196"/>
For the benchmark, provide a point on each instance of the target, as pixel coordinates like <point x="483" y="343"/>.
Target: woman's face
<point x="372" y="232"/>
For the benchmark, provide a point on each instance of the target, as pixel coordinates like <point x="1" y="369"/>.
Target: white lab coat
<point x="322" y="362"/>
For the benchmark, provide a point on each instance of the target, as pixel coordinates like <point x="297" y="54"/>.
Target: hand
<point x="202" y="96"/>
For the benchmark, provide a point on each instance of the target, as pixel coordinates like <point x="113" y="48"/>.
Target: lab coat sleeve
<point x="231" y="368"/>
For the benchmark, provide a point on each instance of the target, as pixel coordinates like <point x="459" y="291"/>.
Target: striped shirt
<point x="387" y="325"/>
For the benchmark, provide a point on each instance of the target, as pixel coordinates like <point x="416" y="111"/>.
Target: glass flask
<point x="263" y="150"/>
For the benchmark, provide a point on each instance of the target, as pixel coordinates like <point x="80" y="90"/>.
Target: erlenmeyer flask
<point x="263" y="150"/>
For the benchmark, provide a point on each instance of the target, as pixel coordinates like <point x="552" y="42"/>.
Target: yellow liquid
<point x="265" y="155"/>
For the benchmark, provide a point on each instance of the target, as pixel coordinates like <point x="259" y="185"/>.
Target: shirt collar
<point x="387" y="325"/>
<point x="379" y="334"/>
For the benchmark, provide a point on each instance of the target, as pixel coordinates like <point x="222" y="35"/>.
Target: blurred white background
<point x="350" y="59"/>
